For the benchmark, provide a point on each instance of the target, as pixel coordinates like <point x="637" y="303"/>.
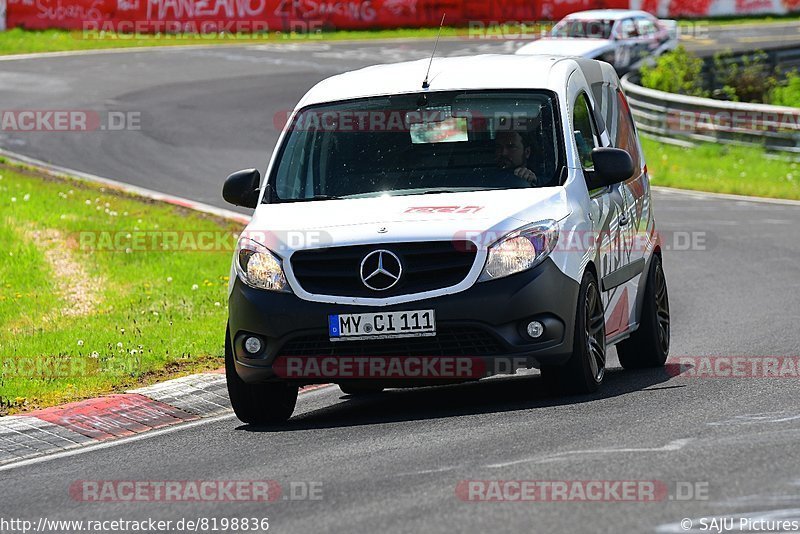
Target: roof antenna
<point x="426" y="84"/>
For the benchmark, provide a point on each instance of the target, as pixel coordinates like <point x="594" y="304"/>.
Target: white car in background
<point x="624" y="38"/>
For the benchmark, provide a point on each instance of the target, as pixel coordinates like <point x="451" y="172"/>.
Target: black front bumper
<point x="497" y="310"/>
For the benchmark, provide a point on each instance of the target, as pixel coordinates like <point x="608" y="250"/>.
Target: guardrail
<point x="681" y="119"/>
<point x="773" y="57"/>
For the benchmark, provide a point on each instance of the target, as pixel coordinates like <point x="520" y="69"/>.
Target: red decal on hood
<point x="444" y="209"/>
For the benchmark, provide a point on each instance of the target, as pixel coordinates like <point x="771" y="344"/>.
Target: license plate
<point x="387" y="325"/>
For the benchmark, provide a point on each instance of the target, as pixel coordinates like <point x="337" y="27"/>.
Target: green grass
<point x="18" y="41"/>
<point x="722" y="169"/>
<point x="753" y="19"/>
<point x="76" y="321"/>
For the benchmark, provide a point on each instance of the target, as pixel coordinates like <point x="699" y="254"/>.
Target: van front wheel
<point x="257" y="404"/>
<point x="584" y="371"/>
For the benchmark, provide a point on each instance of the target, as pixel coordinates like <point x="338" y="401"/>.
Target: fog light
<point x="252" y="345"/>
<point x="535" y="329"/>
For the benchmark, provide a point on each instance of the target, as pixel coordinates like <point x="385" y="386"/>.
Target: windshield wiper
<point x="437" y="191"/>
<point x="445" y="190"/>
<point x="310" y="199"/>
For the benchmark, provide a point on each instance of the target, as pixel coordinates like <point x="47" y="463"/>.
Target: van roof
<point x="607" y="14"/>
<point x="490" y="71"/>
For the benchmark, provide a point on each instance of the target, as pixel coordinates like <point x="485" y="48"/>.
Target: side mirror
<point x="611" y="166"/>
<point x="241" y="188"/>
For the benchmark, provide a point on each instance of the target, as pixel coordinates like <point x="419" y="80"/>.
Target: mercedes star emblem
<point x="381" y="270"/>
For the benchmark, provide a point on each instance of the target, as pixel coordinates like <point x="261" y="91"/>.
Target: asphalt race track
<point x="392" y="462"/>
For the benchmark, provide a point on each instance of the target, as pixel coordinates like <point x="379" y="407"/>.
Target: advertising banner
<point x="248" y="16"/>
<point x="283" y="15"/>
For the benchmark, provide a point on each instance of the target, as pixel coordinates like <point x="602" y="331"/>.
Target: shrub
<point x="677" y="71"/>
<point x="788" y="92"/>
<point x="749" y="79"/>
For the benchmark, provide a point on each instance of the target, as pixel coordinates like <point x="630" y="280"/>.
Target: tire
<point x="257" y="404"/>
<point x="360" y="390"/>
<point x="584" y="371"/>
<point x="648" y="346"/>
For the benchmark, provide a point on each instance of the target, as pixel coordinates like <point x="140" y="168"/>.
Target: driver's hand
<point x="526" y="174"/>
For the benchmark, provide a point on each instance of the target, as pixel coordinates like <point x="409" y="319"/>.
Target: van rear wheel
<point x="648" y="346"/>
<point x="257" y="404"/>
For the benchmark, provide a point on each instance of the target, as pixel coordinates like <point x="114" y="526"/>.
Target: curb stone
<point x="116" y="416"/>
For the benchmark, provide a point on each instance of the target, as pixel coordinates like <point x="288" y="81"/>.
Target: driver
<point x="512" y="150"/>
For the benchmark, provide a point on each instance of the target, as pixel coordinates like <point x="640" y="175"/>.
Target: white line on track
<point x="168" y="48"/>
<point x="70" y="53"/>
<point x="705" y="195"/>
<point x="64" y="172"/>
<point x="674" y="445"/>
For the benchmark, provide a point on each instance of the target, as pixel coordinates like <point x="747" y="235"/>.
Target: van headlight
<point x="520" y="250"/>
<point x="258" y="267"/>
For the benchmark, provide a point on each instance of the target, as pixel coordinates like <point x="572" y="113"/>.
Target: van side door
<point x="609" y="219"/>
<point x="636" y="201"/>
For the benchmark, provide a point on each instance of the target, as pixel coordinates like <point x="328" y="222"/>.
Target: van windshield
<point x="581" y="28"/>
<point x="417" y="144"/>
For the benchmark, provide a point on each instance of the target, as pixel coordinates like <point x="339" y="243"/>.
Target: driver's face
<point x="509" y="152"/>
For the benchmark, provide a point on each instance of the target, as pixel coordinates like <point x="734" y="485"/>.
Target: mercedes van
<point x="423" y="224"/>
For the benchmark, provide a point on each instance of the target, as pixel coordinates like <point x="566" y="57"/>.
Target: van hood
<point x="565" y="46"/>
<point x="287" y="227"/>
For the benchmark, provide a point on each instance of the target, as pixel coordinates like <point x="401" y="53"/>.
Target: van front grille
<point x="426" y="266"/>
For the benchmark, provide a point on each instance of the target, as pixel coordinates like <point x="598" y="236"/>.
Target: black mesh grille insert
<point x="426" y="266"/>
<point x="450" y="342"/>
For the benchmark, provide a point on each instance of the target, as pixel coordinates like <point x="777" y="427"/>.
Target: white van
<point x="417" y="230"/>
<point x="626" y="38"/>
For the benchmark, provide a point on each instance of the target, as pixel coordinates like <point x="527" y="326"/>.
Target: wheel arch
<point x="592" y="268"/>
<point x="640" y="291"/>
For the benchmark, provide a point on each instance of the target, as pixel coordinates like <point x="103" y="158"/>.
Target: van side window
<point x="583" y="128"/>
<point x="626" y="132"/>
<point x="627" y="29"/>
<point x="645" y="27"/>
